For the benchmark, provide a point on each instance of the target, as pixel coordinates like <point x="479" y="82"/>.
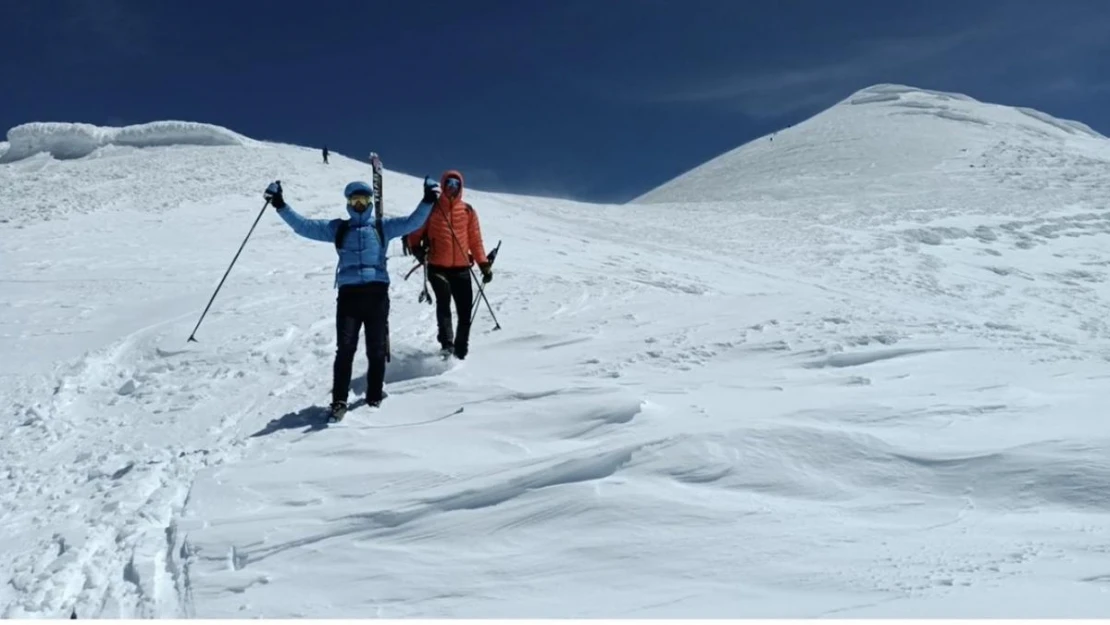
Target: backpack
<point x="341" y="235"/>
<point x="345" y="226"/>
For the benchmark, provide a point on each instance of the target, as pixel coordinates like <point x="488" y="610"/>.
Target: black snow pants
<point x="452" y="284"/>
<point x="365" y="305"/>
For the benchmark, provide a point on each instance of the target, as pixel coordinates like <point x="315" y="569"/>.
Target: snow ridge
<point x="912" y="97"/>
<point x="77" y="140"/>
<point x="888" y="92"/>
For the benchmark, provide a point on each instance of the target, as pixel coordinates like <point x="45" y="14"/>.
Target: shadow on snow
<point x="315" y="418"/>
<point x="403" y="367"/>
<point x="312" y="419"/>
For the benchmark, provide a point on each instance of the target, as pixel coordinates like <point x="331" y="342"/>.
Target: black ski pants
<point x="452" y="284"/>
<point x="365" y="305"/>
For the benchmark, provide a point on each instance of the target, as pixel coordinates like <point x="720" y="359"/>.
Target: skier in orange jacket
<point x="449" y="243"/>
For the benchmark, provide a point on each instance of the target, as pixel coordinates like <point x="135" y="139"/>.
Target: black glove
<point x="487" y="272"/>
<point x="431" y="193"/>
<point x="273" y="193"/>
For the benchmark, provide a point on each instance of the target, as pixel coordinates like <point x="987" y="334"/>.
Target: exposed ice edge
<point x="66" y="140"/>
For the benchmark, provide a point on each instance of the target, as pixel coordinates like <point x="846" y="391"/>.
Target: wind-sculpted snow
<point x="893" y="93"/>
<point x="75" y="140"/>
<point x="805" y="402"/>
<point x="184" y="165"/>
<point x="946" y="104"/>
<point x="1067" y="125"/>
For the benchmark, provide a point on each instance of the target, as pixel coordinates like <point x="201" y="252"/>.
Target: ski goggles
<point x="452" y="184"/>
<point x="359" y="201"/>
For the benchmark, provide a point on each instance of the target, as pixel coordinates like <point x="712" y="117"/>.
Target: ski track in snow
<point x="809" y="401"/>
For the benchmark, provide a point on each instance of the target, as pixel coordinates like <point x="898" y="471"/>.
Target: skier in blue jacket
<point x="361" y="277"/>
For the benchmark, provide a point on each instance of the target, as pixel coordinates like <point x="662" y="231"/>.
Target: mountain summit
<point x="903" y="135"/>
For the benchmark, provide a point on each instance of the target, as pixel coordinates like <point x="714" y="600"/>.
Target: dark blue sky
<point x="591" y="99"/>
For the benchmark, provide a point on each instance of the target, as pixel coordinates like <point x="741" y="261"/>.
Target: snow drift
<point x="152" y="162"/>
<point x="878" y="399"/>
<point x="75" y="140"/>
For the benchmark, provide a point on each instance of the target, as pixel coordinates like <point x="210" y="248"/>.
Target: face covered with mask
<point x="359" y="202"/>
<point x="452" y="186"/>
<point x="360" y="199"/>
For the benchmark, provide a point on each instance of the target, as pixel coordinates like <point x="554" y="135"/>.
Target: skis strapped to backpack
<point x="376" y="164"/>
<point x="379" y="208"/>
<point x="345" y="225"/>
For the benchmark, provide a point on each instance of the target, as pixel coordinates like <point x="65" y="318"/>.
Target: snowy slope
<point x="897" y="139"/>
<point x="871" y="407"/>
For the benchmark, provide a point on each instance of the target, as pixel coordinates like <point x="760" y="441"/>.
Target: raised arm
<point x="394" y="227"/>
<point x="315" y="229"/>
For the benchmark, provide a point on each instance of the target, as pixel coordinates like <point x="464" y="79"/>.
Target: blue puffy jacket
<point x="362" y="257"/>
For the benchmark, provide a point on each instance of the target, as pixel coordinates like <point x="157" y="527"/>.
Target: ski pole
<point x="424" y="294"/>
<point x="192" y="336"/>
<point x="474" y="311"/>
<point x="481" y="291"/>
<point x="482" y="295"/>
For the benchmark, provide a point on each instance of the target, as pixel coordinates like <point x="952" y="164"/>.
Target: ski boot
<point x="338" y="411"/>
<point x="376" y="404"/>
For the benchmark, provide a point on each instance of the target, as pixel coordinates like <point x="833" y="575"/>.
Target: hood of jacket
<point x="451" y="173"/>
<point x="366" y="216"/>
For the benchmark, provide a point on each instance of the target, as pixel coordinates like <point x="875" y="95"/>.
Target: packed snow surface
<point x="813" y="398"/>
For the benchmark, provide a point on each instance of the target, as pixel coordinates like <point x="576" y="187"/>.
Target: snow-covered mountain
<point x="858" y="370"/>
<point x="893" y="138"/>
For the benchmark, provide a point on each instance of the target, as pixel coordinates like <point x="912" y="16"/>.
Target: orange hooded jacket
<point x="453" y="233"/>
